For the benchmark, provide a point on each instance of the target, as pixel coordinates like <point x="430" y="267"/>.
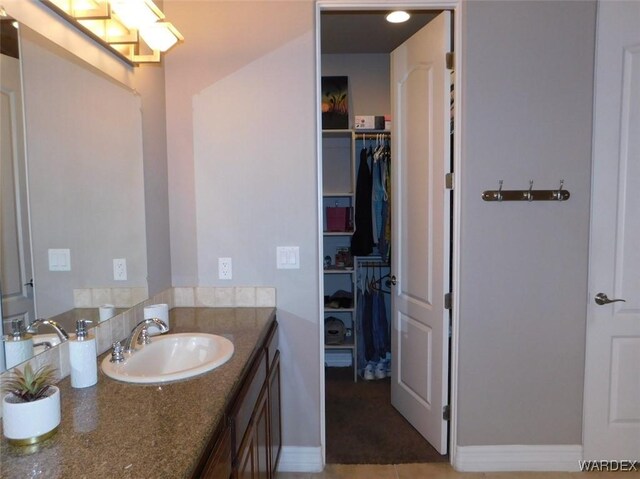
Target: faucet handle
<point x="144" y="337"/>
<point x="117" y="355"/>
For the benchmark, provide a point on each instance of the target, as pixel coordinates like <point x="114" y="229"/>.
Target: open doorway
<point x="378" y="301"/>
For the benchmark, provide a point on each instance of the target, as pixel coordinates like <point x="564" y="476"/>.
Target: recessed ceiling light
<point x="398" y="16"/>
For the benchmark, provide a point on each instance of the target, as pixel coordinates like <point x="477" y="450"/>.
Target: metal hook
<point x="529" y="194"/>
<point x="499" y="193"/>
<point x="559" y="192"/>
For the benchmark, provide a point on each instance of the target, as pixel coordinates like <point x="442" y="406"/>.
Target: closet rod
<point x="372" y="136"/>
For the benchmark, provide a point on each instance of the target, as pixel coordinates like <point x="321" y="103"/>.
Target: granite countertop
<point x="120" y="430"/>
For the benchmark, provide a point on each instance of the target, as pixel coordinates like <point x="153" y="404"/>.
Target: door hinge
<point x="446" y="414"/>
<point x="447" y="300"/>
<point x="448" y="181"/>
<point x="450" y="59"/>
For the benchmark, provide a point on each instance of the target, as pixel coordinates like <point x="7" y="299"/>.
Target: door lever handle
<point x="394" y="280"/>
<point x="30" y="283"/>
<point x="601" y="299"/>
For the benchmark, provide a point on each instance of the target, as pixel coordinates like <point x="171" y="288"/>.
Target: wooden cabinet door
<point x="219" y="465"/>
<point x="253" y="454"/>
<point x="275" y="421"/>
<point x="246" y="465"/>
<point x="262" y="436"/>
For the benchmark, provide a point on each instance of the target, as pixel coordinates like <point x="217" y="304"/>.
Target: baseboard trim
<point x="300" y="459"/>
<point x="517" y="458"/>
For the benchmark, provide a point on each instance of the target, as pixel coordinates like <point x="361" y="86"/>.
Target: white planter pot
<point x="26" y="423"/>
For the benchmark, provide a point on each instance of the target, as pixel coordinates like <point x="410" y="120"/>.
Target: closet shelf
<point x="337" y="133"/>
<point x="338" y="271"/>
<point x="337" y="233"/>
<point x="338" y="194"/>
<point x="339" y="310"/>
<point x="340" y="346"/>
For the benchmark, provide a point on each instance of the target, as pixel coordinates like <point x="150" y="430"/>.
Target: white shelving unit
<point x="339" y="157"/>
<point x="338" y="168"/>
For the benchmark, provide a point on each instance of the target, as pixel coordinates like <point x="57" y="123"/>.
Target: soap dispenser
<point x="82" y="356"/>
<point x="18" y="346"/>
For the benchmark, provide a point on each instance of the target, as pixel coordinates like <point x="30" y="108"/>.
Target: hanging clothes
<point x="384" y="238"/>
<point x="373" y="333"/>
<point x="360" y="357"/>
<point x="377" y="193"/>
<point x="362" y="239"/>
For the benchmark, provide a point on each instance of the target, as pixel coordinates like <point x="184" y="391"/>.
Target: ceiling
<point x="367" y="31"/>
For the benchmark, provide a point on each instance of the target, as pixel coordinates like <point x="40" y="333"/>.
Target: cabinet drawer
<point x="247" y="397"/>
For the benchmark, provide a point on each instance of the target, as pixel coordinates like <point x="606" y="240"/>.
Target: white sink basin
<point x="171" y="357"/>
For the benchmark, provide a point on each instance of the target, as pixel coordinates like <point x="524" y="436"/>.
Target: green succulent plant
<point x="29" y="386"/>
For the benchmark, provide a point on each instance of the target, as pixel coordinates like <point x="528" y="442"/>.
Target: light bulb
<point x="398" y="16"/>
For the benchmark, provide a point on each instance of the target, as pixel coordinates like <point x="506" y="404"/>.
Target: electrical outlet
<point x="224" y="268"/>
<point x="120" y="269"/>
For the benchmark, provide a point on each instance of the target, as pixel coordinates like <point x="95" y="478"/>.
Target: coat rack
<point x="526" y="195"/>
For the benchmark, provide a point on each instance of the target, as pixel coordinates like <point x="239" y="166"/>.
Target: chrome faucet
<point x="140" y="332"/>
<point x="62" y="334"/>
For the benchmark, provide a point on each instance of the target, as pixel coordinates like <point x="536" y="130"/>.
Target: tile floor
<point x="439" y="471"/>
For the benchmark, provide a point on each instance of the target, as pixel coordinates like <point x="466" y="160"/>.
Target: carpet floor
<point x="363" y="427"/>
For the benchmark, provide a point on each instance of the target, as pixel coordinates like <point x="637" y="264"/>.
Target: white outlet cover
<point x="288" y="257"/>
<point x="225" y="268"/>
<point x="120" y="269"/>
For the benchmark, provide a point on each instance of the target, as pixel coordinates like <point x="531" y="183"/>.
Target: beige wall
<point x="527" y="93"/>
<point x="242" y="171"/>
<point x="369" y="90"/>
<point x="241" y="184"/>
<point x="149" y="81"/>
<point x="85" y="174"/>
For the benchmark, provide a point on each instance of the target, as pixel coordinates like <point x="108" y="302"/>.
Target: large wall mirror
<point x="72" y="181"/>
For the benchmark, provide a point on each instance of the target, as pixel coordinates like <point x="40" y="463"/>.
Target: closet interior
<point x="357" y="164"/>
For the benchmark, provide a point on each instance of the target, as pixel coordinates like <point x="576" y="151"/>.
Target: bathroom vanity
<point x="225" y="423"/>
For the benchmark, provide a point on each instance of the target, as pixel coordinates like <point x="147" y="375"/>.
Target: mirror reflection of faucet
<point x="62" y="334"/>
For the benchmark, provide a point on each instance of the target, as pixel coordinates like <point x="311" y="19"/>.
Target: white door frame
<point x="456" y="6"/>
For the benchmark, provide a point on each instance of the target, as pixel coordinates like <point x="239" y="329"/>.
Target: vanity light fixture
<point x="133" y="30"/>
<point x="398" y="16"/>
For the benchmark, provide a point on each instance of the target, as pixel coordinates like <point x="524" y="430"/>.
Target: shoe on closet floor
<point x="369" y="371"/>
<point x="381" y="369"/>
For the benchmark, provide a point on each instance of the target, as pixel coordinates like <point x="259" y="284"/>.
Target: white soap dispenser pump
<point x="82" y="356"/>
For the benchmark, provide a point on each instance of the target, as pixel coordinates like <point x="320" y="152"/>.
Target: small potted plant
<point x="31" y="407"/>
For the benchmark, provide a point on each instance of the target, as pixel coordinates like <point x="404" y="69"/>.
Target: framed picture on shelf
<point x="335" y="103"/>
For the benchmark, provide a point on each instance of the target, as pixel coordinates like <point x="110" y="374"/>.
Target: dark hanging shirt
<point x="362" y="239"/>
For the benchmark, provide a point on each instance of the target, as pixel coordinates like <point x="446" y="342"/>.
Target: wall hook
<point x="559" y="196"/>
<point x="528" y="195"/>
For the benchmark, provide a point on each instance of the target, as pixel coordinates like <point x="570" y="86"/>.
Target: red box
<point x="338" y="218"/>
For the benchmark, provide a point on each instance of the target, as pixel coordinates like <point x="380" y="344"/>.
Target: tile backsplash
<point x="118" y="327"/>
<point x="119" y="297"/>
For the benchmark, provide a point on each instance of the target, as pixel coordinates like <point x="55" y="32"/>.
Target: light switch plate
<point x="60" y="259"/>
<point x="288" y="257"/>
